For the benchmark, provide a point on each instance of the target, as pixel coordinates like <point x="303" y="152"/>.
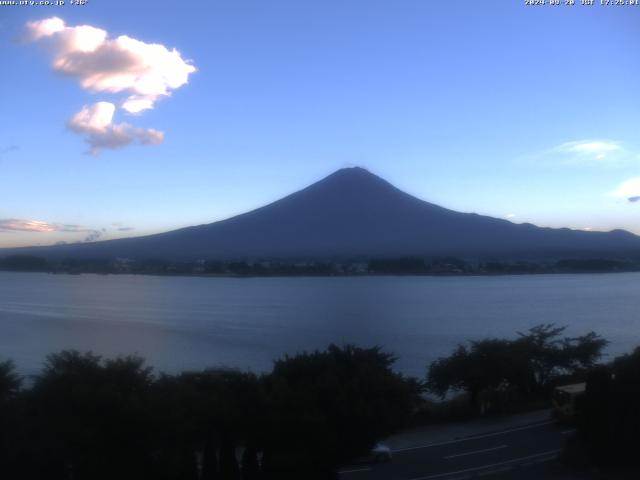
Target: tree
<point x="89" y="418"/>
<point x="610" y="423"/>
<point x="625" y="408"/>
<point x="230" y="412"/>
<point x="551" y="356"/>
<point x="482" y="369"/>
<point x="173" y="407"/>
<point x="526" y="367"/>
<point x="594" y="422"/>
<point x="328" y="407"/>
<point x="24" y="263"/>
<point x="208" y="414"/>
<point x="10" y="381"/>
<point x="86" y="417"/>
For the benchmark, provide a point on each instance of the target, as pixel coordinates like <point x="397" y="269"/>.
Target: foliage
<point x="24" y="263"/>
<point x="492" y="371"/>
<point x="610" y="425"/>
<point x="85" y="417"/>
<point x="211" y="412"/>
<point x="10" y="381"/>
<point x="594" y="265"/>
<point x="328" y="407"/>
<point x="550" y="356"/>
<point x="486" y="366"/>
<point x="398" y="266"/>
<point x="88" y="418"/>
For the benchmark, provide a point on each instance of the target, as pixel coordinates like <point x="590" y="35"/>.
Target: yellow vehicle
<point x="567" y="402"/>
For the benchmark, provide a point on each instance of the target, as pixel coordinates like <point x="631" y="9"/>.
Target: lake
<point x="180" y="323"/>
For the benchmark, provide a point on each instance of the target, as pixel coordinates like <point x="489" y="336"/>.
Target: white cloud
<point x="589" y="150"/>
<point x="43" y="28"/>
<point x="96" y="123"/>
<point x="591" y="147"/>
<point x="146" y="71"/>
<point x="629" y="189"/>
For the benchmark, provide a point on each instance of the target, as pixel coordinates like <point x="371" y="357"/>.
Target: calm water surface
<point x="190" y="322"/>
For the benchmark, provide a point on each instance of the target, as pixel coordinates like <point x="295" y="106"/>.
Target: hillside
<point x="353" y="213"/>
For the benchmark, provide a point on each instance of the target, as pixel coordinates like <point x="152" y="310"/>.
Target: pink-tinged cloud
<point x="95" y="122"/>
<point x="37" y="226"/>
<point x="20" y="225"/>
<point x="145" y="71"/>
<point x="8" y="225"/>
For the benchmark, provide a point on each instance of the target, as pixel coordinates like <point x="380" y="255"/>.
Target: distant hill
<point x="353" y="213"/>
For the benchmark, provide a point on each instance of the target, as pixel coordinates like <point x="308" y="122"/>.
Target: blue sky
<point x="527" y="113"/>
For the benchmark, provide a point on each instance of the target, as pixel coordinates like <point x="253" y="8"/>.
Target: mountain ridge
<point x="352" y="213"/>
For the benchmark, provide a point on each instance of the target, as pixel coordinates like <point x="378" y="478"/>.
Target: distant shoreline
<point x="403" y="266"/>
<point x="248" y="276"/>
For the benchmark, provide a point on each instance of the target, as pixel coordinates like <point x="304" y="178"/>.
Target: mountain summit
<point x="353" y="213"/>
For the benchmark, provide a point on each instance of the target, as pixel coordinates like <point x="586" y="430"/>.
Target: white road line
<point x="355" y="470"/>
<point x="476" y="451"/>
<point x="490" y="465"/>
<point x="493" y="471"/>
<point x="568" y="432"/>
<point x="476" y="437"/>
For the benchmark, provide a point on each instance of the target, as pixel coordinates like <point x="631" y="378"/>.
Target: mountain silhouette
<point x="353" y="213"/>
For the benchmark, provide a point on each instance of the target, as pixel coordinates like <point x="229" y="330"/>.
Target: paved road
<point x="509" y="450"/>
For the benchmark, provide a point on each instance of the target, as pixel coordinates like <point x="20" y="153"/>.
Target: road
<point x="508" y="450"/>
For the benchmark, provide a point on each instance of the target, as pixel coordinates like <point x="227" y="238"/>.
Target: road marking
<point x="495" y="470"/>
<point x="568" y="432"/>
<point x="476" y="451"/>
<point x="355" y="470"/>
<point x="491" y="465"/>
<point x="476" y="437"/>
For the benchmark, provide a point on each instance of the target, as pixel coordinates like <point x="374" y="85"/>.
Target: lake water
<point x="193" y="322"/>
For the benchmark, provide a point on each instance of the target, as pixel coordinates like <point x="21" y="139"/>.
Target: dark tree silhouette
<point x="609" y="426"/>
<point x="594" y="421"/>
<point x="551" y="355"/>
<point x="481" y="369"/>
<point x="24" y="263"/>
<point x="10" y="383"/>
<point x="88" y="418"/>
<point x="526" y="367"/>
<point x="328" y="407"/>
